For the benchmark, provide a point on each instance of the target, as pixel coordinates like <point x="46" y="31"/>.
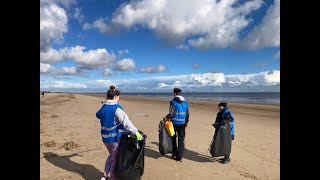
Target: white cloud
<point x="272" y="77"/>
<point x="203" y="80"/>
<point x="126" y="64"/>
<point x="90" y="59"/>
<point x="202" y="23"/>
<point x="52" y="56"/>
<point x="78" y="16"/>
<point x="215" y="79"/>
<point x="101" y="25"/>
<point x="86" y="26"/>
<point x="162" y="85"/>
<point x="103" y="81"/>
<point x="263" y="78"/>
<point x="46" y="68"/>
<point x="70" y="70"/>
<point x="53" y="24"/>
<point x="86" y="59"/>
<point x="107" y="72"/>
<point x="195" y="66"/>
<point x="177" y="84"/>
<point x="153" y="69"/>
<point x="121" y="52"/>
<point x="64" y="84"/>
<point x="105" y="84"/>
<point x="267" y="34"/>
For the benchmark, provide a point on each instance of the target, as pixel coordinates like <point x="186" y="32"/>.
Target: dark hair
<point x="224" y="104"/>
<point x="112" y="92"/>
<point x="177" y="91"/>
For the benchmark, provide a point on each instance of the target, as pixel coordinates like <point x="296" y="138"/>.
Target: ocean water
<point x="244" y="97"/>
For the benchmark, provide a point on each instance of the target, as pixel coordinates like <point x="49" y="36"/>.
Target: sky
<point x="156" y="45"/>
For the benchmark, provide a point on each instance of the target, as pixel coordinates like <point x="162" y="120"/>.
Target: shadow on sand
<point x="188" y="154"/>
<point x="87" y="171"/>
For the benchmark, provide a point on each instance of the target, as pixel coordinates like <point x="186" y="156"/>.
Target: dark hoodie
<point x="227" y="117"/>
<point x="172" y="108"/>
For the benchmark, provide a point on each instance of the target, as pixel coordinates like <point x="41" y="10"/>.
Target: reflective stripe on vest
<point x="109" y="129"/>
<point x="181" y="113"/>
<point x="115" y="134"/>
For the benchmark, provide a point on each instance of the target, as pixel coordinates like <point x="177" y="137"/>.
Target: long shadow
<point x="188" y="154"/>
<point x="87" y="171"/>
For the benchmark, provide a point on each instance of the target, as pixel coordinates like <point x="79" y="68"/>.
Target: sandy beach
<point x="71" y="146"/>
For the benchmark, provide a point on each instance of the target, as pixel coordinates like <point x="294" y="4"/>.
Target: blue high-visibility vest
<point x="110" y="131"/>
<point x="181" y="112"/>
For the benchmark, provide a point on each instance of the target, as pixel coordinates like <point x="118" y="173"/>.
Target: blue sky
<point x="156" y="45"/>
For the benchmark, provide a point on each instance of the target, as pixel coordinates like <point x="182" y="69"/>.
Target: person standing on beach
<point x="224" y="116"/>
<point x="179" y="116"/>
<point x="114" y="122"/>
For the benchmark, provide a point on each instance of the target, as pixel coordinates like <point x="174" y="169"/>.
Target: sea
<point x="242" y="97"/>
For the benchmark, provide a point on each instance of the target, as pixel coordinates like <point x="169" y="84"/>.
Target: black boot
<point x="225" y="160"/>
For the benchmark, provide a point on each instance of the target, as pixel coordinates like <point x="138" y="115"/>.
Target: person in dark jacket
<point x="223" y="116"/>
<point x="179" y="116"/>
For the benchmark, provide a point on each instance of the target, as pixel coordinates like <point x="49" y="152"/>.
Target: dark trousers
<point x="180" y="132"/>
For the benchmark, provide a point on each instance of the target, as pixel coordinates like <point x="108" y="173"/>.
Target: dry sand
<point x="71" y="146"/>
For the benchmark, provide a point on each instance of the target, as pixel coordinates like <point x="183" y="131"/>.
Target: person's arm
<point x="172" y="111"/>
<point x="125" y="121"/>
<point x="100" y="113"/>
<point x="217" y="119"/>
<point x="187" y="116"/>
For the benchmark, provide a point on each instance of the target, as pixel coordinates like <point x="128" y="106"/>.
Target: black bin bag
<point x="130" y="160"/>
<point x="165" y="141"/>
<point x="221" y="144"/>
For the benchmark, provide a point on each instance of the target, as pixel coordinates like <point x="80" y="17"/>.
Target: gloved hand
<point x="186" y="125"/>
<point x="165" y="119"/>
<point x="139" y="136"/>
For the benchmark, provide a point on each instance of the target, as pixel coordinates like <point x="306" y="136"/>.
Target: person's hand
<point x="215" y="125"/>
<point x="165" y="119"/>
<point x="186" y="125"/>
<point x="139" y="136"/>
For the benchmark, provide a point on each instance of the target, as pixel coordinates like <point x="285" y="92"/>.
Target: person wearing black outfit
<point x="223" y="116"/>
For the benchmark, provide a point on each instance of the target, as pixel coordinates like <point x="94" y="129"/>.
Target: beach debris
<point x="70" y="145"/>
<point x="249" y="175"/>
<point x="54" y="116"/>
<point x="51" y="143"/>
<point x="141" y="114"/>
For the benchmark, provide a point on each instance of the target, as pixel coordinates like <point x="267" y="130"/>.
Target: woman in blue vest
<point x="224" y="116"/>
<point x="114" y="122"/>
<point x="179" y="116"/>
